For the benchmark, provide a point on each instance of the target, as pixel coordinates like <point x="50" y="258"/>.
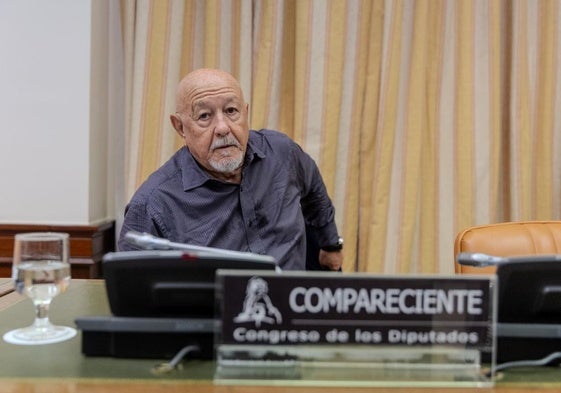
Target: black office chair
<point x="312" y="251"/>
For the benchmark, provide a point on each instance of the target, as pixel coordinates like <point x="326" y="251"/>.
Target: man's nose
<point x="222" y="125"/>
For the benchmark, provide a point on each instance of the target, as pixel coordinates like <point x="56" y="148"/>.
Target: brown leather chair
<point x="508" y="239"/>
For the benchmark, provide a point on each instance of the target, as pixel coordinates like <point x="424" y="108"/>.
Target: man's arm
<point x="332" y="260"/>
<point x="137" y="218"/>
<point x="318" y="211"/>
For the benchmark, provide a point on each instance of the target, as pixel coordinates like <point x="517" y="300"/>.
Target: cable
<point x="529" y="363"/>
<point x="167" y="367"/>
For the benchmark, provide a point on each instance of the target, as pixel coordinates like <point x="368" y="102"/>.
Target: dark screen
<point x="167" y="283"/>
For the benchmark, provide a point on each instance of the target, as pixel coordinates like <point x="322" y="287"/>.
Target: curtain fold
<point x="424" y="116"/>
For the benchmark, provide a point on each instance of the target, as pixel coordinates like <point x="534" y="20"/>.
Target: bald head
<point x="212" y="118"/>
<point x="204" y="82"/>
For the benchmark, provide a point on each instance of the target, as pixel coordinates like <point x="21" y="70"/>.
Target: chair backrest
<point x="508" y="239"/>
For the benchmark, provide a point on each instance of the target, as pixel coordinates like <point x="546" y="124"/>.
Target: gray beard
<point x="227" y="165"/>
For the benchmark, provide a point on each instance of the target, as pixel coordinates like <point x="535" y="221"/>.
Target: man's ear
<point x="177" y="124"/>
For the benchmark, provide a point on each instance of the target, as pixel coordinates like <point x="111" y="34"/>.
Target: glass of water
<point x="41" y="271"/>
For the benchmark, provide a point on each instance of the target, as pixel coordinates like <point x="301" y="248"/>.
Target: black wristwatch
<point x="334" y="247"/>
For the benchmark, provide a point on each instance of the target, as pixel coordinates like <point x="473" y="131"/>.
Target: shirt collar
<point x="193" y="176"/>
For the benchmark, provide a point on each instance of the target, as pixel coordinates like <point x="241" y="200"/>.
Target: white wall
<point x="55" y="126"/>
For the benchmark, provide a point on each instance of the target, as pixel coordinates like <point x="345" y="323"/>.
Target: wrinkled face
<point x="213" y="121"/>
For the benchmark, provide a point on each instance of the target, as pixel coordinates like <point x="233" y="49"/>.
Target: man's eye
<point x="231" y="110"/>
<point x="204" y="116"/>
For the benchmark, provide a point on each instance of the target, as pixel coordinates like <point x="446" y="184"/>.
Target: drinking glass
<point x="40" y="271"/>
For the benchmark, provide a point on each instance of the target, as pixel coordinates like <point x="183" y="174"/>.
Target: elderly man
<point x="231" y="187"/>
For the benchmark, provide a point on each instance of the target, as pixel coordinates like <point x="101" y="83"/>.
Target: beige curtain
<point x="425" y="116"/>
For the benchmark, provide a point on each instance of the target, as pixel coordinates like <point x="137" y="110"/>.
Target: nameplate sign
<point x="263" y="308"/>
<point x="353" y="329"/>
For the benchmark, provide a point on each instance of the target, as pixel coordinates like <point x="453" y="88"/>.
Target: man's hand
<point x="331" y="260"/>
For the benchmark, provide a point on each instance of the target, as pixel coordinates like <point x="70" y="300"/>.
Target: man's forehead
<point x="218" y="98"/>
<point x="204" y="84"/>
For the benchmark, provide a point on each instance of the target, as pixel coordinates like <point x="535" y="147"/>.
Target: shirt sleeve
<point x="317" y="208"/>
<point x="138" y="218"/>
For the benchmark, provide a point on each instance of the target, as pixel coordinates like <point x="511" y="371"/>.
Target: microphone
<point x="146" y="241"/>
<point x="479" y="259"/>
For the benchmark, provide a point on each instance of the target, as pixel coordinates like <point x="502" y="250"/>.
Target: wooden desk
<point x="208" y="387"/>
<point x="62" y="368"/>
<point x="6" y="286"/>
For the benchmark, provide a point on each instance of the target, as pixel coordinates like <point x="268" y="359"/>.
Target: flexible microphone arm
<point x="147" y="241"/>
<point x="479" y="259"/>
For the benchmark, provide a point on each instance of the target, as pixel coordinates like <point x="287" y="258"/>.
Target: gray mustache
<point x="224" y="142"/>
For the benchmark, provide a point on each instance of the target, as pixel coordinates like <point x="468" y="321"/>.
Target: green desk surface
<point x="65" y="360"/>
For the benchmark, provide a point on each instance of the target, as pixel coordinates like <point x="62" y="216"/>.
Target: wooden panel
<point x="88" y="244"/>
<point x="6" y="286"/>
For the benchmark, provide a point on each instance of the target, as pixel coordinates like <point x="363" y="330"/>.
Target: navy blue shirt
<point x="281" y="190"/>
